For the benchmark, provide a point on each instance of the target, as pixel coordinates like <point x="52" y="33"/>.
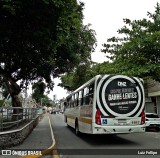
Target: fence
<point x="11" y="117"/>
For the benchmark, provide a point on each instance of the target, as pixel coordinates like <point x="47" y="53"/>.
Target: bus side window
<point x="72" y="101"/>
<point x="76" y="99"/>
<point x="65" y="105"/>
<point x="86" y="96"/>
<point x="91" y="91"/>
<point x="69" y="102"/>
<point x="81" y="98"/>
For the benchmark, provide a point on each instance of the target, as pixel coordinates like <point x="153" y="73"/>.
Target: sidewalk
<point x="40" y="139"/>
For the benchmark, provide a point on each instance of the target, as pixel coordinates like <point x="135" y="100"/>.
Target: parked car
<point x="152" y="121"/>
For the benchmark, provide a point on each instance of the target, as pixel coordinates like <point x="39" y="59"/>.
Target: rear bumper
<point x="152" y="125"/>
<point x="118" y="129"/>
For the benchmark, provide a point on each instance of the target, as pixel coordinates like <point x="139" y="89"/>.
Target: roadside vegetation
<point x="135" y="52"/>
<point x="41" y="40"/>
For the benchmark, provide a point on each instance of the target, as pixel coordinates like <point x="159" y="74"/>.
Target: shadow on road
<point x="110" y="139"/>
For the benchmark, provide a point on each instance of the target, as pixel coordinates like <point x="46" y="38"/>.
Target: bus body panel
<point x="85" y="125"/>
<point x="118" y="129"/>
<point x="71" y="114"/>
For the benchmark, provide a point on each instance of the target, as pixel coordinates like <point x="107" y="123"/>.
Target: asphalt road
<point x="137" y="145"/>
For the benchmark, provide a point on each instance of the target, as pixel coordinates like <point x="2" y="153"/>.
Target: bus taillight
<point x="98" y="117"/>
<point x="142" y="117"/>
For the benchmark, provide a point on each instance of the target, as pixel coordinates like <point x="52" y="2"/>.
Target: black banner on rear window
<point x="121" y="96"/>
<point x="118" y="94"/>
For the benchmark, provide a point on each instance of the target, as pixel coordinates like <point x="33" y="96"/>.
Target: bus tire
<point x="67" y="123"/>
<point x="77" y="129"/>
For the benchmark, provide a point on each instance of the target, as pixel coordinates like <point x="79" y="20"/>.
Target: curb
<point x="54" y="153"/>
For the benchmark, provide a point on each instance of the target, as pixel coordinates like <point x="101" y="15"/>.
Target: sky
<point x="106" y="17"/>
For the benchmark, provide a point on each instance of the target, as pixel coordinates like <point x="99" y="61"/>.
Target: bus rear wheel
<point x="77" y="129"/>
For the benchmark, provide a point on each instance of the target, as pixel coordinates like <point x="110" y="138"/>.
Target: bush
<point x="1" y="102"/>
<point x="6" y="103"/>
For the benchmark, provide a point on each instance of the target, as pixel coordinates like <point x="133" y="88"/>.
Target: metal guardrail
<point x="16" y="116"/>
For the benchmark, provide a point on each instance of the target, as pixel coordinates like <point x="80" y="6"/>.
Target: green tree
<point x="41" y="39"/>
<point x="104" y="68"/>
<point x="73" y="80"/>
<point x="85" y="72"/>
<point x="46" y="101"/>
<point x="38" y="91"/>
<point x="136" y="50"/>
<point x="4" y="90"/>
<point x="67" y="81"/>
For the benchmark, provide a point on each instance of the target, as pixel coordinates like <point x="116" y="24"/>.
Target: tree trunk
<point x="14" y="90"/>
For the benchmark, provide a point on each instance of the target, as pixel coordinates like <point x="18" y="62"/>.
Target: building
<point x="153" y="97"/>
<point x="29" y="102"/>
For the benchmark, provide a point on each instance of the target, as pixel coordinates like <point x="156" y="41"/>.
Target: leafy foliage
<point x="85" y="72"/>
<point x="1" y="102"/>
<point x="47" y="101"/>
<point x="75" y="79"/>
<point x="41" y="39"/>
<point x="137" y="50"/>
<point x="38" y="94"/>
<point x="38" y="91"/>
<point x="4" y="90"/>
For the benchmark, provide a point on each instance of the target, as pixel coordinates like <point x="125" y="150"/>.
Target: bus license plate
<point x="122" y="122"/>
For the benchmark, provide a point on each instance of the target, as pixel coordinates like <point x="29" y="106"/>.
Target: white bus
<point x="107" y="104"/>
